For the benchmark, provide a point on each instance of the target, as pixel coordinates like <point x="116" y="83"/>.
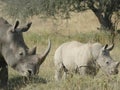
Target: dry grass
<point x="45" y="80"/>
<point x="81" y="27"/>
<point x="79" y="22"/>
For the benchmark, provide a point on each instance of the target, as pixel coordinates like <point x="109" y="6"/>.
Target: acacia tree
<point x="103" y="9"/>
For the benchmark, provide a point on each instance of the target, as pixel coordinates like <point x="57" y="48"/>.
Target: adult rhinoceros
<point x="15" y="53"/>
<point x="84" y="59"/>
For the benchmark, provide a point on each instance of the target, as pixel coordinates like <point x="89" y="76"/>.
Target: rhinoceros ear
<point x="105" y="47"/>
<point x="16" y="24"/>
<point x="111" y="47"/>
<point x="32" y="51"/>
<point x="26" y="28"/>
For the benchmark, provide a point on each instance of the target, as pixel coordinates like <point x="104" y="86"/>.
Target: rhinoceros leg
<point x="3" y="74"/>
<point x="89" y="70"/>
<point x="59" y="72"/>
<point x="82" y="70"/>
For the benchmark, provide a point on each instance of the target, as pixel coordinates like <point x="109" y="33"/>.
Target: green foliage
<point x="27" y="8"/>
<point x="103" y="9"/>
<point x="23" y="9"/>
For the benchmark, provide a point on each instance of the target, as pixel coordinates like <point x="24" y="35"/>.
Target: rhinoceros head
<point x="12" y="43"/>
<point x="14" y="39"/>
<point x="14" y="50"/>
<point x="106" y="62"/>
<point x="29" y="65"/>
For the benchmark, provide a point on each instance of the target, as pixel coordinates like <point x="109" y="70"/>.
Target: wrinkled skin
<point x="15" y="53"/>
<point x="12" y="46"/>
<point x="106" y="62"/>
<point x="84" y="59"/>
<point x="29" y="65"/>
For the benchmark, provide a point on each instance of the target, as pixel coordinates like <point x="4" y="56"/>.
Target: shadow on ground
<point x="17" y="83"/>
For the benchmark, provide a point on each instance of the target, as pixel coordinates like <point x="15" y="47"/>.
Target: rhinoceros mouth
<point x="113" y="72"/>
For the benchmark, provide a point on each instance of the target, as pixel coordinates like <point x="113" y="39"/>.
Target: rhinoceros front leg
<point x="82" y="70"/>
<point x="59" y="72"/>
<point x="3" y="76"/>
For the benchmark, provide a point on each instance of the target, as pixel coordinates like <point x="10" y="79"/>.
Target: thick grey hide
<point x="12" y="47"/>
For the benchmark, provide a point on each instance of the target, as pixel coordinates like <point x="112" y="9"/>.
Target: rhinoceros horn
<point x="43" y="56"/>
<point x="32" y="51"/>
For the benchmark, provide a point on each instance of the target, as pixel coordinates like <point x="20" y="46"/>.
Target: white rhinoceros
<point x="85" y="59"/>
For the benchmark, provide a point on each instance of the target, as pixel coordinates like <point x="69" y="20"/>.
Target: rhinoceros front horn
<point x="32" y="51"/>
<point x="44" y="55"/>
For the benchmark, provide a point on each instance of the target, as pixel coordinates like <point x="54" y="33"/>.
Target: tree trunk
<point x="104" y="21"/>
<point x="104" y="17"/>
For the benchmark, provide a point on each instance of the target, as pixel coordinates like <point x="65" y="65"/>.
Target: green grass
<point x="45" y="79"/>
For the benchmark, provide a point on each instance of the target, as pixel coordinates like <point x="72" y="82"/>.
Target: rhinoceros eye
<point x="107" y="63"/>
<point x="21" y="53"/>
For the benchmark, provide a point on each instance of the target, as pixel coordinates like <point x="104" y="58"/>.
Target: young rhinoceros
<point x="84" y="59"/>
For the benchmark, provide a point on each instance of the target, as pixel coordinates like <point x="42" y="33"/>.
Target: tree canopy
<point x="103" y="9"/>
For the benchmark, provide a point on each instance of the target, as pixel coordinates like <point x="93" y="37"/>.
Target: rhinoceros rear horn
<point x="44" y="55"/>
<point x="32" y="51"/>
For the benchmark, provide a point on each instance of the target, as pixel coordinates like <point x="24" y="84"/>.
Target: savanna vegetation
<point x="82" y="26"/>
<point x="103" y="9"/>
<point x="41" y="30"/>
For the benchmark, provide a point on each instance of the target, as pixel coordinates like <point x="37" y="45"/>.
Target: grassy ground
<point x="80" y="28"/>
<point x="45" y="79"/>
